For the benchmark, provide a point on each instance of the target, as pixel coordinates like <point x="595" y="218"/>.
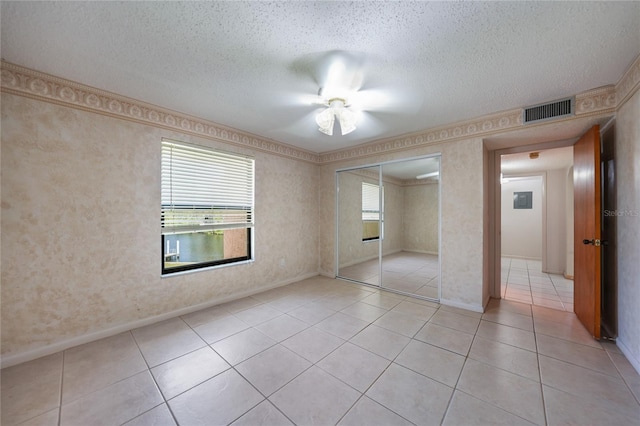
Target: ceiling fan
<point x="343" y="101"/>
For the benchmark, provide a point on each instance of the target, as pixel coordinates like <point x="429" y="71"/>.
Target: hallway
<point x="522" y="280"/>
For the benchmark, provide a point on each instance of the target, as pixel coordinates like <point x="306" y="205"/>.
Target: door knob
<point x="592" y="242"/>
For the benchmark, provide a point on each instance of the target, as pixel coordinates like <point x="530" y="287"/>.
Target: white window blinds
<point x="370" y="201"/>
<point x="205" y="189"/>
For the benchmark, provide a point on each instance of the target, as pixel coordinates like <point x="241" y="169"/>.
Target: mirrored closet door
<point x="388" y="226"/>
<point x="359" y="225"/>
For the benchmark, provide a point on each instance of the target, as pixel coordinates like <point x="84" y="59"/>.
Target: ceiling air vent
<point x="548" y="111"/>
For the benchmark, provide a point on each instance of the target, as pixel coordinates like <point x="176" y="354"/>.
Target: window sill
<point x="208" y="268"/>
<point x="373" y="240"/>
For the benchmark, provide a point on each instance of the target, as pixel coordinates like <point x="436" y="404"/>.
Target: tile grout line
<point x="308" y="326"/>
<point x="266" y="398"/>
<point x="363" y="394"/>
<point x="624" y="379"/>
<point x="155" y="382"/>
<point x="455" y="386"/>
<point x="542" y="395"/>
<point x="312" y="364"/>
<point x="61" y="389"/>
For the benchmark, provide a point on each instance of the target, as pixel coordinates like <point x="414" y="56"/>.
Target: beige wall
<point x="462" y="216"/>
<point x="627" y="159"/>
<point x="522" y="228"/>
<point x="81" y="226"/>
<point x="569" y="256"/>
<point x="420" y="223"/>
<point x="556" y="243"/>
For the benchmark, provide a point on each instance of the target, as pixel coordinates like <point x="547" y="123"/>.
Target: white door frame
<point x="495" y="206"/>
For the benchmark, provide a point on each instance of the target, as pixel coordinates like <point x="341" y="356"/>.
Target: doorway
<point x="536" y="200"/>
<point x="595" y="285"/>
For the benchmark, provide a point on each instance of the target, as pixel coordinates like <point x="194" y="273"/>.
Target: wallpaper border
<point x="23" y="81"/>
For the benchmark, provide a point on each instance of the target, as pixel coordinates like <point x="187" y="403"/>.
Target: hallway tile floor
<point x="325" y="352"/>
<point x="523" y="281"/>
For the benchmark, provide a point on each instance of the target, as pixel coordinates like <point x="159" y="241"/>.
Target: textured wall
<point x="393" y="218"/>
<point x="420" y="225"/>
<point x="81" y="225"/>
<point x="628" y="222"/>
<point x="462" y="216"/>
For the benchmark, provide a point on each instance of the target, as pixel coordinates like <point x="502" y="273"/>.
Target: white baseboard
<point x="327" y="274"/>
<point x="467" y="306"/>
<point x="485" y="303"/>
<point x="390" y="252"/>
<point x="31" y="354"/>
<point x="627" y="353"/>
<point x="355" y="262"/>
<point x="435" y="253"/>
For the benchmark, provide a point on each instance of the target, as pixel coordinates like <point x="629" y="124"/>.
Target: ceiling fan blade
<point x="335" y="73"/>
<point x="398" y="101"/>
<point x="305" y="125"/>
<point x="342" y="72"/>
<point x="368" y="125"/>
<point x="298" y="100"/>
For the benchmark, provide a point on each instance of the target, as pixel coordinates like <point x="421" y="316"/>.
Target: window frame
<point x="228" y="216"/>
<point x="379" y="211"/>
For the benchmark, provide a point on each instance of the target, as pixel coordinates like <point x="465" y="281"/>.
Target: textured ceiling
<point x="251" y="65"/>
<point x="548" y="159"/>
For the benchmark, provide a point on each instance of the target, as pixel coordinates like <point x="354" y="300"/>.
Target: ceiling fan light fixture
<point x="325" y="120"/>
<point x="347" y="121"/>
<point x="336" y="108"/>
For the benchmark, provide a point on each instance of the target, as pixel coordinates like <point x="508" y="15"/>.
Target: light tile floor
<point x="523" y="281"/>
<point x="409" y="272"/>
<point x="324" y="351"/>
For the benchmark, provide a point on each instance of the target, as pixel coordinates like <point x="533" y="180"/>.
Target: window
<point x="370" y="211"/>
<point x="207" y="207"/>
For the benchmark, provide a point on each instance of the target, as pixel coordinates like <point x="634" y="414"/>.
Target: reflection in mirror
<point x="410" y="262"/>
<point x="391" y="226"/>
<point x="359" y="225"/>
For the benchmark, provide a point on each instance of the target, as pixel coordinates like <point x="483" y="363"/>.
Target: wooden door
<point x="587" y="214"/>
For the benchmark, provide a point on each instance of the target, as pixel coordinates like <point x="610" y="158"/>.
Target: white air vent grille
<point x="548" y="111"/>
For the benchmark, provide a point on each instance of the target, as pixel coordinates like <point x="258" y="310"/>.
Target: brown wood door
<point x="587" y="214"/>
